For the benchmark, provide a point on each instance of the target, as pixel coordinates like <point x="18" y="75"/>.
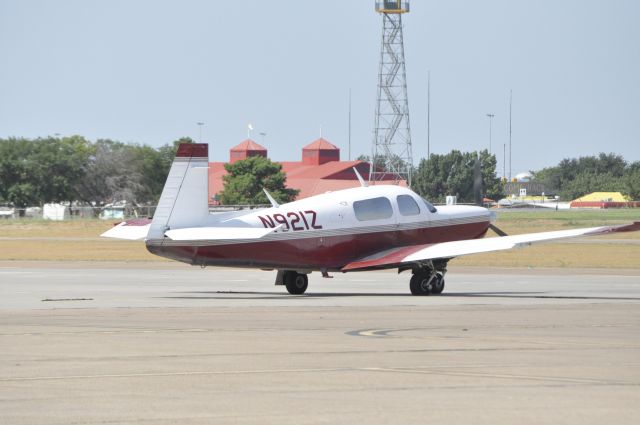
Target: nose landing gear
<point x="426" y="283"/>
<point x="428" y="280"/>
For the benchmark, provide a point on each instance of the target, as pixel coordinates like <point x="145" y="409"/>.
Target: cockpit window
<point x="407" y="205"/>
<point x="373" y="209"/>
<point x="429" y="206"/>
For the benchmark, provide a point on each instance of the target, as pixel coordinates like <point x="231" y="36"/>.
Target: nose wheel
<point x="426" y="283"/>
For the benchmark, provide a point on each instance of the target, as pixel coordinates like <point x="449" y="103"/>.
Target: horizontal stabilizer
<point x="218" y="233"/>
<point x="133" y="230"/>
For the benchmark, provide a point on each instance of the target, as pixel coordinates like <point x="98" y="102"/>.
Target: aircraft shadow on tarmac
<point x="252" y="295"/>
<point x="539" y="295"/>
<point x="244" y="295"/>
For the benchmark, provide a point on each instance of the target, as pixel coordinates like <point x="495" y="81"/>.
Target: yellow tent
<point x="603" y="197"/>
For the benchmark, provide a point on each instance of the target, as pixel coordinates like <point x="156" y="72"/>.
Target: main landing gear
<point x="296" y="283"/>
<point x="428" y="279"/>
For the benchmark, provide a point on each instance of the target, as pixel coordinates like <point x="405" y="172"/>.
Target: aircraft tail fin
<point x="183" y="202"/>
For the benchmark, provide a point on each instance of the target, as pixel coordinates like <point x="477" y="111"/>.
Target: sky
<point x="147" y="71"/>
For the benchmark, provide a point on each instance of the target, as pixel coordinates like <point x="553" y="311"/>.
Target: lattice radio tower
<point x="392" y="132"/>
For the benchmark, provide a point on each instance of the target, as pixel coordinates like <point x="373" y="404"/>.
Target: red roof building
<point x="245" y="150"/>
<point x="320" y="169"/>
<point x="320" y="152"/>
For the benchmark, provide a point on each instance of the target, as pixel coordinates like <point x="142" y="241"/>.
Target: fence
<point x="65" y="212"/>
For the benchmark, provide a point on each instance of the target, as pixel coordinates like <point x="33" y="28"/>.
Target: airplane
<point x="362" y="228"/>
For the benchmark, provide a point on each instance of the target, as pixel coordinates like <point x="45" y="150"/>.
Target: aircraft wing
<point x="411" y="254"/>
<point x="135" y="229"/>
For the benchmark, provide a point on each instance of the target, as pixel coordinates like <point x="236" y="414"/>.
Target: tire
<point x="438" y="285"/>
<point x="419" y="284"/>
<point x="296" y="283"/>
<point x="413" y="285"/>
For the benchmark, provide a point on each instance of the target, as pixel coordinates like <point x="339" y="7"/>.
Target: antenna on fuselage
<point x="362" y="182"/>
<point x="274" y="204"/>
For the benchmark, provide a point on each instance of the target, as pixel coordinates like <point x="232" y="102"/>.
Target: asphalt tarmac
<point x="111" y="343"/>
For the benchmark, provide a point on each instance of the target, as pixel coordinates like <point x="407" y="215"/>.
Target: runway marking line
<point x="501" y="376"/>
<point x="188" y="373"/>
<point x="322" y="370"/>
<point x="119" y="331"/>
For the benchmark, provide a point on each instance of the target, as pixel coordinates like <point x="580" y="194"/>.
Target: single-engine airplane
<point x="362" y="228"/>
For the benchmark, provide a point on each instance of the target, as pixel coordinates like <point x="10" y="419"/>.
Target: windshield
<point x="429" y="206"/>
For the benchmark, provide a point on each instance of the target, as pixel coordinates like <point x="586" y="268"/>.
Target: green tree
<point x="245" y="179"/>
<point x="631" y="181"/>
<point x="575" y="177"/>
<point x="452" y="174"/>
<point x="42" y="170"/>
<point x="569" y="168"/>
<point x="587" y="182"/>
<point x="61" y="163"/>
<point x="153" y="165"/>
<point x="129" y="172"/>
<point x="34" y="172"/>
<point x="17" y="185"/>
<point x="113" y="174"/>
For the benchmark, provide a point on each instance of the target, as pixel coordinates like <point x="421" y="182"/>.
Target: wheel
<point x="438" y="284"/>
<point x="295" y="283"/>
<point x="413" y="285"/>
<point x="421" y="283"/>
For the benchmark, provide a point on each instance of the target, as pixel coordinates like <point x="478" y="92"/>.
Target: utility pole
<point x="490" y="119"/>
<point x="504" y="160"/>
<point x="428" y="114"/>
<point x="349" y="124"/>
<point x="200" y="124"/>
<point x="510" y="99"/>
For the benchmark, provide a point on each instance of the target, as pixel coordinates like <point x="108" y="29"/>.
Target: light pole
<point x="349" y="124"/>
<point x="504" y="161"/>
<point x="262" y="135"/>
<point x="200" y="124"/>
<point x="490" y="116"/>
<point x="428" y="114"/>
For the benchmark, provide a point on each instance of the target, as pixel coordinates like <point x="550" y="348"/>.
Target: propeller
<point x="477" y="183"/>
<point x="477" y="193"/>
<point x="497" y="230"/>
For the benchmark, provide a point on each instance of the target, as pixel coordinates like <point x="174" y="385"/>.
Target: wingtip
<point x="634" y="227"/>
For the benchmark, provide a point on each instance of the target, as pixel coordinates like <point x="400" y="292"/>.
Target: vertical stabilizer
<point x="183" y="202"/>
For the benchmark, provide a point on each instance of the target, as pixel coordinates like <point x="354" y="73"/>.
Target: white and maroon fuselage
<point x="327" y="231"/>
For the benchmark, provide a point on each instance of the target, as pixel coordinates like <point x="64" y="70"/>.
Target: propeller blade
<point x="498" y="231"/>
<point x="477" y="183"/>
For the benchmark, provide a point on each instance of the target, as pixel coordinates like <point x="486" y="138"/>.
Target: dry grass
<point x="77" y="240"/>
<point x="73" y="240"/>
<point x="34" y="249"/>
<point x="34" y="228"/>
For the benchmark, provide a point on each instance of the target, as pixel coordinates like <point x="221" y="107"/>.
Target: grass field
<point x="78" y="240"/>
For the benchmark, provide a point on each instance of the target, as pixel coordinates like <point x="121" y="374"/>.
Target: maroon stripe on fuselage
<point x="331" y="253"/>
